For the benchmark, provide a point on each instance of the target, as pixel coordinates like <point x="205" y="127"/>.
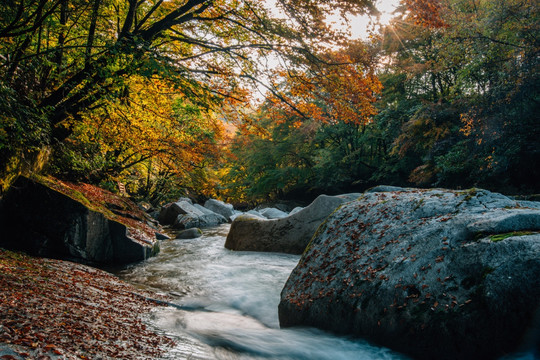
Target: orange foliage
<point x="153" y="123"/>
<point x="342" y="89"/>
<point x="426" y="12"/>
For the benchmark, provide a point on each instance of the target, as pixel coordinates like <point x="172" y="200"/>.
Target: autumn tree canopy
<point x="62" y="58"/>
<point x="455" y="104"/>
<point x="150" y="89"/>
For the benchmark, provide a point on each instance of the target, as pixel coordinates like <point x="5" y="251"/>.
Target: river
<point x="230" y="302"/>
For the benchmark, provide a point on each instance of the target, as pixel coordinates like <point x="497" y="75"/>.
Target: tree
<point x="145" y="139"/>
<point x="464" y="95"/>
<point x="319" y="144"/>
<point x="62" y="58"/>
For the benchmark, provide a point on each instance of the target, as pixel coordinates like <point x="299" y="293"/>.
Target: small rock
<point x="273" y="213"/>
<point x="189" y="233"/>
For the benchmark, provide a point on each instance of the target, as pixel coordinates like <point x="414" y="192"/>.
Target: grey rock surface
<point x="199" y="217"/>
<point x="433" y="273"/>
<point x="385" y="188"/>
<point x="221" y="208"/>
<point x="184" y="215"/>
<point x="169" y="213"/>
<point x="291" y="234"/>
<point x="192" y="233"/>
<point x="295" y="210"/>
<point x="188" y="221"/>
<point x="273" y="213"/>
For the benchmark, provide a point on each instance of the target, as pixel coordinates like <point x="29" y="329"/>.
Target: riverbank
<point x="71" y="311"/>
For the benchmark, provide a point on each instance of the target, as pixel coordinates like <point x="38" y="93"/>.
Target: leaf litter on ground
<point x="54" y="309"/>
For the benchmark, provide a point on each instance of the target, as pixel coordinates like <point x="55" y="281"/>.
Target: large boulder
<point x="219" y="207"/>
<point x="43" y="221"/>
<point x="291" y="234"/>
<point x="432" y="273"/>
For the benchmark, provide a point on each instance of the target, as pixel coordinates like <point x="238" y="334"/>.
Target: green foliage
<point x="133" y="90"/>
<point x="74" y="59"/>
<point x="301" y="161"/>
<point x="79" y="161"/>
<point x="465" y="98"/>
<point x="459" y="108"/>
<point x="271" y="165"/>
<point x="23" y="133"/>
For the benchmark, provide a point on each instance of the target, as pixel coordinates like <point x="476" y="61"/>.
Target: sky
<point x="360" y="24"/>
<point x="358" y="27"/>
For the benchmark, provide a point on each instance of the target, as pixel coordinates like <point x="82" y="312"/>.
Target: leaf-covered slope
<point x="67" y="309"/>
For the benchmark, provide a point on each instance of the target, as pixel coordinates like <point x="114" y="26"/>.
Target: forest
<point x="250" y="101"/>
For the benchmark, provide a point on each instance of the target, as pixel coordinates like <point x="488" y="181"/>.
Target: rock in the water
<point x="425" y="272"/>
<point x="184" y="215"/>
<point x="42" y="221"/>
<point x="291" y="234"/>
<point x="192" y="233"/>
<point x="199" y="217"/>
<point x="236" y="214"/>
<point x="221" y="208"/>
<point x="255" y="213"/>
<point x="273" y="213"/>
<point x="170" y="212"/>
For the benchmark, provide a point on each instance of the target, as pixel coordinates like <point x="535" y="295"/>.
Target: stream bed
<point x="229" y="305"/>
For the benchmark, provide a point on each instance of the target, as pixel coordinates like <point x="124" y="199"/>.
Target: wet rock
<point x="184" y="215"/>
<point x="192" y="233"/>
<point x="200" y="218"/>
<point x="255" y="213"/>
<point x="170" y="212"/>
<point x="273" y="213"/>
<point x="435" y="274"/>
<point x="236" y="214"/>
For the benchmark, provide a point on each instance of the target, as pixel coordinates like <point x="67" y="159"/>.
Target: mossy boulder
<point x="419" y="271"/>
<point x="50" y="218"/>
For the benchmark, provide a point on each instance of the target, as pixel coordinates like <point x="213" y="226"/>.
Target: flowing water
<point x="229" y="305"/>
<point x="226" y="305"/>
